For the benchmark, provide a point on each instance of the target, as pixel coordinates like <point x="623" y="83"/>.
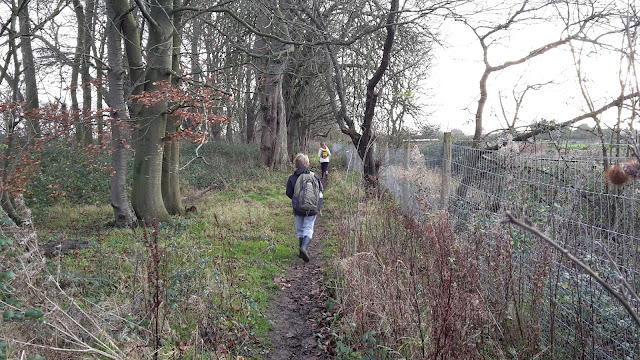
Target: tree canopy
<point x="139" y="77"/>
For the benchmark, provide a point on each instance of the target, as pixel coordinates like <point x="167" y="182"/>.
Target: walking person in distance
<point x="305" y="191"/>
<point x="324" y="155"/>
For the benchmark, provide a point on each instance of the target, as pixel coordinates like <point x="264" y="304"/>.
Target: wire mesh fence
<point x="561" y="191"/>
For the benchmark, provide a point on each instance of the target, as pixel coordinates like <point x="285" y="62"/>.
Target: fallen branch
<point x="512" y="220"/>
<point x="192" y="198"/>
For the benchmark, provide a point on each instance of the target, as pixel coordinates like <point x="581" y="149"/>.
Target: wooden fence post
<point x="405" y="180"/>
<point x="446" y="171"/>
<point x="407" y="145"/>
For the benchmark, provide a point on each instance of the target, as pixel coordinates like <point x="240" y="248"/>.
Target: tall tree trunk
<point x="10" y="126"/>
<point x="100" y="92"/>
<point x="84" y="69"/>
<point x="29" y="70"/>
<point x="242" y="103"/>
<point x="122" y="210"/>
<point x="78" y="120"/>
<point x="294" y="89"/>
<point x="213" y="66"/>
<point x="272" y="110"/>
<point x="232" y="60"/>
<point x="364" y="142"/>
<point x="133" y="50"/>
<point x="250" y="109"/>
<point x="231" y="110"/>
<point x="196" y="67"/>
<point x="304" y="132"/>
<point x="481" y="103"/>
<point x="147" y="165"/>
<point x="252" y="118"/>
<point x="270" y="75"/>
<point x="171" y="156"/>
<point x="196" y="62"/>
<point x="5" y="199"/>
<point x="282" y="155"/>
<point x="229" y="130"/>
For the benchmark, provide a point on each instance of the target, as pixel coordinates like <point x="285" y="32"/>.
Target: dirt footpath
<point x="299" y="309"/>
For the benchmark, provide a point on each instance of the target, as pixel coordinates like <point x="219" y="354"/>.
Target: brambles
<point x="537" y="300"/>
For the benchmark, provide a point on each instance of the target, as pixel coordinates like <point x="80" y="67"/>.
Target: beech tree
<point x="120" y="122"/>
<point x="21" y="110"/>
<point x="146" y="193"/>
<point x="409" y="66"/>
<point x="82" y="65"/>
<point x="170" y="179"/>
<point x="270" y="67"/>
<point x="306" y="103"/>
<point x="11" y="120"/>
<point x="29" y="68"/>
<point x="364" y="141"/>
<point x="226" y="58"/>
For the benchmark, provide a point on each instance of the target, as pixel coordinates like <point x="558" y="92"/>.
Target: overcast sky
<point x="454" y="80"/>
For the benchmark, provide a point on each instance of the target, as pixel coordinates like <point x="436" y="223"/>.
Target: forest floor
<point x="301" y="323"/>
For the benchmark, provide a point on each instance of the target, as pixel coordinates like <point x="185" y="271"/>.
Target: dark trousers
<point x="325" y="168"/>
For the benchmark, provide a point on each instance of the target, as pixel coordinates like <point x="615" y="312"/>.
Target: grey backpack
<point x="306" y="193"/>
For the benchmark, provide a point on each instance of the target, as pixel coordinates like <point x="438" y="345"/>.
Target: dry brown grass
<point x="429" y="293"/>
<point x="67" y="329"/>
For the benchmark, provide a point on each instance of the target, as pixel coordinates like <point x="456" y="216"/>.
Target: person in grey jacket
<point x="304" y="220"/>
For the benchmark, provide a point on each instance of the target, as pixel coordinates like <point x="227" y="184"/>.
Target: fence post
<point x="405" y="163"/>
<point x="405" y="180"/>
<point x="446" y="171"/>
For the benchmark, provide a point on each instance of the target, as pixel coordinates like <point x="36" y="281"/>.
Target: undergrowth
<point x="68" y="176"/>
<point x="408" y="287"/>
<point x="198" y="289"/>
<point x="399" y="287"/>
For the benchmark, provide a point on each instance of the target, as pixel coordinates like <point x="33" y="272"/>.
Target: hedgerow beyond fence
<point x="559" y="189"/>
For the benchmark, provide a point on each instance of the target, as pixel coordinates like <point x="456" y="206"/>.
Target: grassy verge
<point x="197" y="288"/>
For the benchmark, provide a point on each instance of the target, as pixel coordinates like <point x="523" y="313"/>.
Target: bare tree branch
<point x="512" y="220"/>
<point x="146" y="14"/>
<point x="546" y="128"/>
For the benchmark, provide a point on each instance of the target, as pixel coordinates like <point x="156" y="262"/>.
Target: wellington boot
<point x="304" y="248"/>
<point x="300" y="240"/>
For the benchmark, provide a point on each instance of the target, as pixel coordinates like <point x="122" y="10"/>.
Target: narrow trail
<point x="297" y="311"/>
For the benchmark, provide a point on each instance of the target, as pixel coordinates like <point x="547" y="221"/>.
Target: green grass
<point x="218" y="265"/>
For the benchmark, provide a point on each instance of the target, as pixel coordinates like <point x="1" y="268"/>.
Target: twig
<point x="620" y="276"/>
<point x="512" y="220"/>
<point x="540" y="353"/>
<point x="194" y="159"/>
<point x="112" y="347"/>
<point x="146" y="14"/>
<point x="634" y="146"/>
<point x="83" y="351"/>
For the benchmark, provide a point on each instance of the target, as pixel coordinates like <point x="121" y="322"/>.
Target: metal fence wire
<point x="561" y="190"/>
